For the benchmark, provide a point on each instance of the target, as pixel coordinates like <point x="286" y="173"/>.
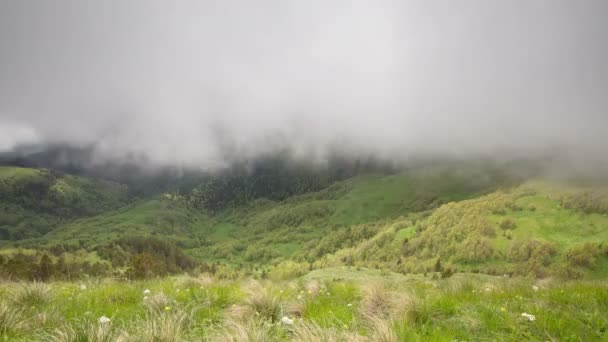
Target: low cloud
<point x="194" y="83"/>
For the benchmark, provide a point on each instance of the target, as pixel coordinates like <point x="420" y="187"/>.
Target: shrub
<point x="447" y="272"/>
<point x="508" y="224"/>
<point x="475" y="249"/>
<point x="585" y="255"/>
<point x="532" y="250"/>
<point x="145" y="265"/>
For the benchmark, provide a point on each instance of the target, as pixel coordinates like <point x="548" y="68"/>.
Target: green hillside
<point x="537" y="228"/>
<point x="265" y="232"/>
<point x="470" y="218"/>
<point x="35" y="201"/>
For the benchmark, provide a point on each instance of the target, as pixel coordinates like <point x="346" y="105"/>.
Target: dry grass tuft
<point x="295" y="309"/>
<point x="12" y="319"/>
<point x="164" y="326"/>
<point x="158" y="303"/>
<point x="32" y="294"/>
<point x="239" y="312"/>
<point x="264" y="302"/>
<point x="313" y="288"/>
<point x="311" y="332"/>
<point x="202" y="280"/>
<point x="253" y="330"/>
<point x="378" y="301"/>
<point x="381" y="330"/>
<point x="87" y="331"/>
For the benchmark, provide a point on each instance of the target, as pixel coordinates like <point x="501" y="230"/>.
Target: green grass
<point x="464" y="307"/>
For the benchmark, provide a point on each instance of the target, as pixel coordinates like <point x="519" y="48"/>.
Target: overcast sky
<point x="189" y="81"/>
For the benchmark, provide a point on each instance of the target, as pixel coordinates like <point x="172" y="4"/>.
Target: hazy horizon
<point x="194" y="83"/>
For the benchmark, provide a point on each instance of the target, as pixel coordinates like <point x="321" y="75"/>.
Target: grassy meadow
<point x="327" y="305"/>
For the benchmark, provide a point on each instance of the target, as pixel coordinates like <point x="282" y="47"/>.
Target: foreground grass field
<point x="327" y="305"/>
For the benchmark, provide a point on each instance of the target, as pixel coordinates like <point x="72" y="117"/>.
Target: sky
<point x="196" y="82"/>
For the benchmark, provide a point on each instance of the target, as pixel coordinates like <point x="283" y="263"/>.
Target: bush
<point x="145" y="265"/>
<point x="585" y="255"/>
<point x="447" y="272"/>
<point x="508" y="224"/>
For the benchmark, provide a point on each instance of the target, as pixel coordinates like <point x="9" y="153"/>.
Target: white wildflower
<point x="349" y="305"/>
<point x="488" y="289"/>
<point x="528" y="316"/>
<point x="534" y="287"/>
<point x="104" y="320"/>
<point x="146" y="292"/>
<point x="83" y="287"/>
<point x="299" y="297"/>
<point x="145" y="297"/>
<point x="286" y="320"/>
<point x="177" y="290"/>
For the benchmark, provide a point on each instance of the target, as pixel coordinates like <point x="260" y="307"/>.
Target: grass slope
<point x="465" y="307"/>
<point x="34" y="201"/>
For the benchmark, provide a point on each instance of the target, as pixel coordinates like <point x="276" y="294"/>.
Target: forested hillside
<point x="278" y="219"/>
<point x="35" y="201"/>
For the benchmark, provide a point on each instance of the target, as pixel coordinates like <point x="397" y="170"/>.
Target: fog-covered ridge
<point x="194" y="83"/>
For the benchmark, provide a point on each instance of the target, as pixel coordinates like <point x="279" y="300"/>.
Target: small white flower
<point x="146" y="292"/>
<point x="145" y="297"/>
<point x="299" y="297"/>
<point x="488" y="289"/>
<point x="287" y="320"/>
<point x="104" y="320"/>
<point x="349" y="305"/>
<point x="177" y="290"/>
<point x="83" y="287"/>
<point x="528" y="316"/>
<point x="534" y="287"/>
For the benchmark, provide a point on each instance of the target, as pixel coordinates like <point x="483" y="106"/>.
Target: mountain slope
<point x="532" y="229"/>
<point x="265" y="232"/>
<point x="34" y="201"/>
<point x="465" y="217"/>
